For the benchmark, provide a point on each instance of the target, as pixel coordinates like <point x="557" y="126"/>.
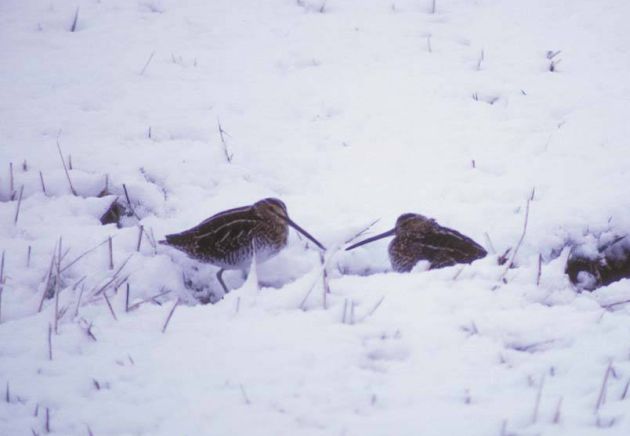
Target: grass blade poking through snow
<point x="65" y="168"/>
<point x="170" y="315"/>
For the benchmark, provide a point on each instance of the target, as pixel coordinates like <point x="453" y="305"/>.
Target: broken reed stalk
<point x="111" y="253"/>
<point x="538" y="398"/>
<point x="129" y="201"/>
<point x="489" y="242"/>
<point x="325" y="285"/>
<point x="140" y="232"/>
<point x="48" y="278"/>
<point x="480" y="61"/>
<point x="245" y="397"/>
<point x="47" y="420"/>
<point x="50" y="350"/>
<point x="58" y="286"/>
<point x="518" y="245"/>
<point x="109" y="304"/>
<point x="539" y="269"/>
<point x="371" y="312"/>
<point x="151" y="238"/>
<point x="41" y="179"/>
<point x="361" y="232"/>
<point x="127" y="292"/>
<point x="147" y="64"/>
<point x="345" y="309"/>
<point x="84" y="254"/>
<point x="75" y="21"/>
<point x="170" y="315"/>
<point x="65" y="168"/>
<point x="76" y="309"/>
<point x="11" y="182"/>
<point x="433" y="6"/>
<point x="601" y="399"/>
<point x="146" y="300"/>
<point x="28" y="257"/>
<point x="556" y="416"/>
<point x="19" y="203"/>
<point x="352" y="304"/>
<point x="114" y="277"/>
<point x="222" y="133"/>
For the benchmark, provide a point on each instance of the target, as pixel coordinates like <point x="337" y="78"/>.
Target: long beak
<point x="301" y="230"/>
<point x="373" y="238"/>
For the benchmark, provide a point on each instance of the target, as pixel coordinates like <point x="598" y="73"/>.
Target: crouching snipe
<point x="230" y="238"/>
<point x="420" y="238"/>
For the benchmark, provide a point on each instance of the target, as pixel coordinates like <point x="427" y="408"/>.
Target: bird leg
<point x="219" y="277"/>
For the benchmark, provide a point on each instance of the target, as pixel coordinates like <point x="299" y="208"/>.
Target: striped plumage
<point x="229" y="238"/>
<point x="420" y="238"/>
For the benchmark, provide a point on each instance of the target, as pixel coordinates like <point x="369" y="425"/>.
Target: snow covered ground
<point x="348" y="111"/>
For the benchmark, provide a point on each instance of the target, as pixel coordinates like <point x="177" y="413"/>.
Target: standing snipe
<point x="229" y="239"/>
<point x="420" y="238"/>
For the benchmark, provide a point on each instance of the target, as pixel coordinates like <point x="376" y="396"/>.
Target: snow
<point x="349" y="111"/>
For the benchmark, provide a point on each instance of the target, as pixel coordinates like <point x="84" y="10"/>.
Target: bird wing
<point x="226" y="232"/>
<point x="444" y="247"/>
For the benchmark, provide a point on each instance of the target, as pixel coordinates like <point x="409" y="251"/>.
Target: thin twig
<point x="539" y="269"/>
<point x="78" y="258"/>
<point x="50" y="350"/>
<point x="114" y="277"/>
<point x="459" y="271"/>
<point x="73" y="28"/>
<point x="109" y="304"/>
<point x="518" y="245"/>
<point x="371" y="312"/>
<point x="129" y="201"/>
<point x="47" y="420"/>
<point x="556" y="416"/>
<point x="41" y="179"/>
<point x="538" y="397"/>
<point x="127" y="293"/>
<point x="76" y="310"/>
<point x="58" y="286"/>
<point x="490" y="244"/>
<point x="111" y="253"/>
<point x="170" y="314"/>
<point x="146" y="300"/>
<point x="222" y="133"/>
<point x="140" y="232"/>
<point x="19" y="203"/>
<point x="28" y="257"/>
<point x="11" y="182"/>
<point x="625" y="390"/>
<point x="65" y="168"/>
<point x="245" y="397"/>
<point x="48" y="278"/>
<point x="147" y="64"/>
<point x="601" y="399"/>
<point x="361" y="232"/>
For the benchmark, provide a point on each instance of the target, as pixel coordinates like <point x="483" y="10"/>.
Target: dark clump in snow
<point x="599" y="263"/>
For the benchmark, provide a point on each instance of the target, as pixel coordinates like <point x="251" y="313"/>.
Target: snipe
<point x="229" y="238"/>
<point x="420" y="238"/>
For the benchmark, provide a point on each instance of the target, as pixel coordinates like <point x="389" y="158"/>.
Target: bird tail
<point x="175" y="240"/>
